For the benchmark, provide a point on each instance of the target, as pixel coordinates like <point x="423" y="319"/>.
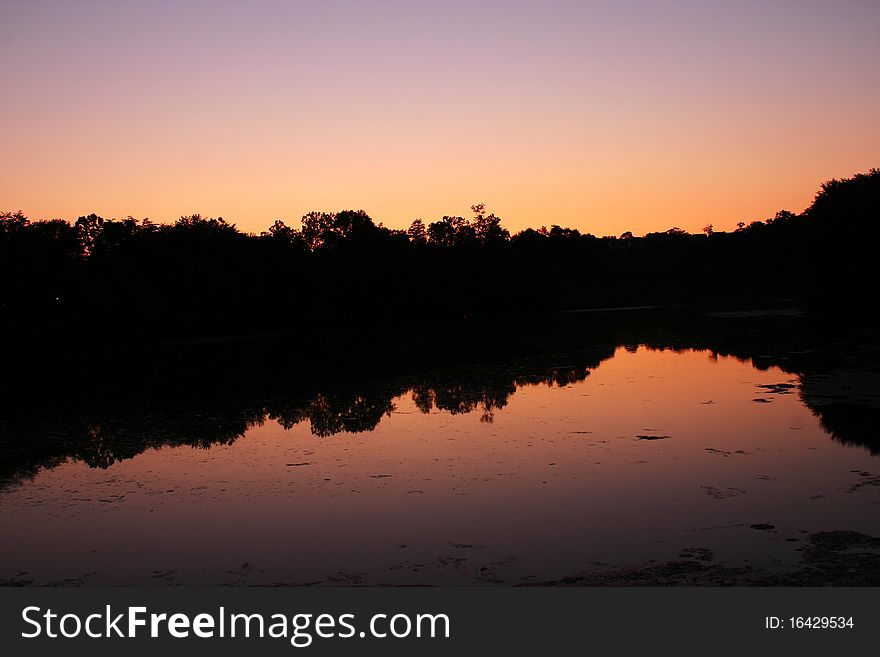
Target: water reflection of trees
<point x="100" y="434"/>
<point x="102" y="438"/>
<point x="332" y="414"/>
<point x="838" y="374"/>
<point x="491" y="392"/>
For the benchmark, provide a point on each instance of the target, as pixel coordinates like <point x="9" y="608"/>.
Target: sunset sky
<point x="604" y="116"/>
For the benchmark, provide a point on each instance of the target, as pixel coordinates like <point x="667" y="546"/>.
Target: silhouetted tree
<point x="329" y="229"/>
<point x="88" y="229"/>
<point x="451" y="231"/>
<point x="417" y="233"/>
<point x="12" y="222"/>
<point x="487" y="227"/>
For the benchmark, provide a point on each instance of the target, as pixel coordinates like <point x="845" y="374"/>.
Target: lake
<point x="629" y="465"/>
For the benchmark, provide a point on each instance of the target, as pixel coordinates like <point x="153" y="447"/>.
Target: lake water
<point x="586" y="474"/>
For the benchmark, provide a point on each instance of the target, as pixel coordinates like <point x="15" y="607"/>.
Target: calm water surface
<point x="654" y="456"/>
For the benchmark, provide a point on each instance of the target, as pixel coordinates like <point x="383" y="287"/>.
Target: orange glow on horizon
<point x="587" y="115"/>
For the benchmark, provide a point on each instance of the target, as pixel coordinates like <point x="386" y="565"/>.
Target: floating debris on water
<point x="777" y="388"/>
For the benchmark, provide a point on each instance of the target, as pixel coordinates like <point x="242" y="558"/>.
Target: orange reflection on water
<point x="656" y="452"/>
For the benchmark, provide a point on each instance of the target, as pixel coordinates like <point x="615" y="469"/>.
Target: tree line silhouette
<point x="134" y="280"/>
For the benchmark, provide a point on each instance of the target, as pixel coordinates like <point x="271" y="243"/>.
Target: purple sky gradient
<point x="605" y="116"/>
